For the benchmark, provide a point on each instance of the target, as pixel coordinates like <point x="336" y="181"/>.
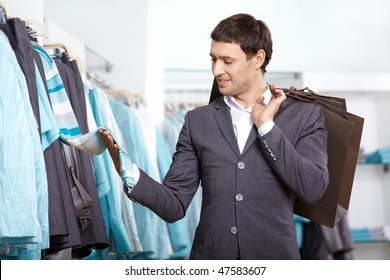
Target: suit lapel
<point x="253" y="136"/>
<point x="224" y="120"/>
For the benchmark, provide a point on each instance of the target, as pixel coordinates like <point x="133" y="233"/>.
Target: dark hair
<point x="251" y="34"/>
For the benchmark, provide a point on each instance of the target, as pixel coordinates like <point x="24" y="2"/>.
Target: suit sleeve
<point x="301" y="166"/>
<point x="171" y="199"/>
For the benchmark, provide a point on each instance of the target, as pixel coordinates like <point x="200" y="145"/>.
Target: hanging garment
<point x="324" y="243"/>
<point x="313" y="243"/>
<point x="111" y="201"/>
<point x="17" y="34"/>
<point x="101" y="103"/>
<point x="338" y="240"/>
<point x="149" y="132"/>
<point x="79" y="174"/>
<point x="60" y="214"/>
<point x="94" y="234"/>
<point x="64" y="230"/>
<point x="23" y="215"/>
<point x="148" y="224"/>
<point x="89" y="214"/>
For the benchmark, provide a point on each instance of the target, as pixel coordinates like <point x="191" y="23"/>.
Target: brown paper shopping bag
<point x="344" y="135"/>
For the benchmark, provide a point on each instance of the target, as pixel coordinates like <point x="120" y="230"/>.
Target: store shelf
<point x="385" y="166"/>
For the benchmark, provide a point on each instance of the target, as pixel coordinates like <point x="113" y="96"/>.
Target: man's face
<point x="233" y="72"/>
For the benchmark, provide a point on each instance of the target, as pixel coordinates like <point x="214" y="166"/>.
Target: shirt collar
<point x="233" y="104"/>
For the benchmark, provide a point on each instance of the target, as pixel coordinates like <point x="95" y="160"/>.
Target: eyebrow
<point x="222" y="57"/>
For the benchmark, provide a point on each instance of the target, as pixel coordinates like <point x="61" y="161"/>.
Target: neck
<point x="249" y="98"/>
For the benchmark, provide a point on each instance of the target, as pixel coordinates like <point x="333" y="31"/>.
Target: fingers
<point x="277" y="94"/>
<point x="112" y="148"/>
<point x="108" y="140"/>
<point x="260" y="100"/>
<point x="275" y="87"/>
<point x="105" y="136"/>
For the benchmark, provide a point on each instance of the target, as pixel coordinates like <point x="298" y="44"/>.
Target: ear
<point x="259" y="58"/>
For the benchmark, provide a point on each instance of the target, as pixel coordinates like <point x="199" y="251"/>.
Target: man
<point x="253" y="153"/>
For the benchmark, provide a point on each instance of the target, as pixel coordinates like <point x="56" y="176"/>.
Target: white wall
<point x="126" y="34"/>
<point x="114" y="29"/>
<point x="56" y="34"/>
<point x="309" y="36"/>
<point x="32" y="9"/>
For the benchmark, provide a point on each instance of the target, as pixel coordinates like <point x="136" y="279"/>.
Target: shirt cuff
<point x="265" y="128"/>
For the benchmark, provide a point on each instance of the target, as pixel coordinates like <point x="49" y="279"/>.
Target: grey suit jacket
<point x="248" y="198"/>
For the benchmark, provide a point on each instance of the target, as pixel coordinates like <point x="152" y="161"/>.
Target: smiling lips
<point x="222" y="82"/>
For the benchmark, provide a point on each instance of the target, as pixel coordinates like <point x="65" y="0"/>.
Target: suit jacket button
<point x="233" y="230"/>
<point x="239" y="197"/>
<point x="241" y="165"/>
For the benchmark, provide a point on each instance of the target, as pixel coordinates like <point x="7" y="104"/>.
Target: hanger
<point x="128" y="97"/>
<point x="37" y="27"/>
<point x="59" y="45"/>
<point x="6" y="9"/>
<point x="139" y="99"/>
<point x="172" y="106"/>
<point x="122" y="94"/>
<point x="3" y="16"/>
<point x="97" y="80"/>
<point x="169" y="106"/>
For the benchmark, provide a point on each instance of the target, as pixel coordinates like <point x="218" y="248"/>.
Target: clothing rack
<point x="98" y="80"/>
<point x="35" y="28"/>
<point x="60" y="46"/>
<point x="68" y="51"/>
<point x="130" y="98"/>
<point x="187" y="96"/>
<point x="185" y="106"/>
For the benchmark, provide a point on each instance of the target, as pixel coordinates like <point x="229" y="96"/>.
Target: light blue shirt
<point x="24" y="219"/>
<point x="152" y="230"/>
<point x="110" y="201"/>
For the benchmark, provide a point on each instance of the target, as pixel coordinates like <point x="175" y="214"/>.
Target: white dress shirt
<point x="242" y="121"/>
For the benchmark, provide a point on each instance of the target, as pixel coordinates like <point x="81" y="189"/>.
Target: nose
<point x="217" y="68"/>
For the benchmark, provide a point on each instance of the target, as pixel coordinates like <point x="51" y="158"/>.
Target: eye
<point x="228" y="61"/>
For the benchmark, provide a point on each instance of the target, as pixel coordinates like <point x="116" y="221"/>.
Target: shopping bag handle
<point x="305" y="94"/>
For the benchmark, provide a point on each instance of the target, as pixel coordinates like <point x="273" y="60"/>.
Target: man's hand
<point x="112" y="148"/>
<point x="261" y="113"/>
